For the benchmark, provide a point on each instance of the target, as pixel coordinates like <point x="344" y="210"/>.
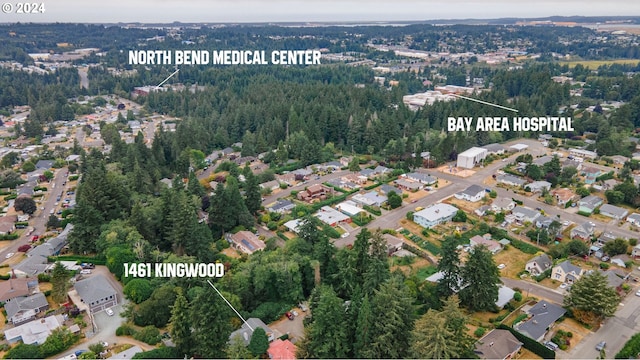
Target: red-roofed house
<point x="281" y="350"/>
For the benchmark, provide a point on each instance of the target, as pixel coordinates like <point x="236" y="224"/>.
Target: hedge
<point x="330" y="232"/>
<point x="525" y="247"/>
<point x="282" y="236"/>
<point x="530" y="344"/>
<point x="9" y="236"/>
<point x="372" y="210"/>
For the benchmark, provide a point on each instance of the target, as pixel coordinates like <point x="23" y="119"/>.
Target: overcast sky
<point x="313" y="10"/>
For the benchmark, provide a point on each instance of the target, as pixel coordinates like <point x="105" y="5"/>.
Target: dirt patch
<point x="456" y="171"/>
<point x="526" y="354"/>
<point x="15" y="259"/>
<point x="467" y="206"/>
<point x="415" y="196"/>
<point x="414" y="267"/>
<point x="232" y="253"/>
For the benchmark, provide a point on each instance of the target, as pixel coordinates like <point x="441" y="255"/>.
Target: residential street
<point x="533" y="289"/>
<point x="39" y="220"/>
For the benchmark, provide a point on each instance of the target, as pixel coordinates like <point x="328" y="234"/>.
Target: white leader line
<point x="484" y="102"/>
<point x="231" y="306"/>
<point x="165" y="80"/>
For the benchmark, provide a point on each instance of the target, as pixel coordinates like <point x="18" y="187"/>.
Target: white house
<point x="434" y="215"/>
<point x="473" y="193"/>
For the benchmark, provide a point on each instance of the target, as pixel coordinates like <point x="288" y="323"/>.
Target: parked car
<point x="551" y="345"/>
<point x="85" y="272"/>
<point x="638" y="293"/>
<point x="605" y="258"/>
<point x="289" y="315"/>
<point x="110" y="313"/>
<point x="501" y="266"/>
<point x="9" y="255"/>
<point x="601" y="345"/>
<point x="563" y="285"/>
<point x="80" y="352"/>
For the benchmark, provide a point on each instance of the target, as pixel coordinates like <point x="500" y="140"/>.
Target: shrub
<point x="149" y="334"/>
<point x="125" y="330"/>
<point x="517" y="296"/>
<point x="44" y="278"/>
<point x="272" y="225"/>
<point x="633" y="242"/>
<point x="479" y="332"/>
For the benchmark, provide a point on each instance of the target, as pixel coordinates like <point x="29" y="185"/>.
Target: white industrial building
<point x="470" y="158"/>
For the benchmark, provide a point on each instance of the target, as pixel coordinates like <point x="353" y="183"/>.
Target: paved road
<point x="39" y="220"/>
<point x="533" y="289"/>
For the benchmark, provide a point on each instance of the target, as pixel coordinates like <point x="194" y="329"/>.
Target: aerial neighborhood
<point x="336" y="205"/>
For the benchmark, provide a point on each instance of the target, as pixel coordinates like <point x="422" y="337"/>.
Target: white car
<point x="85" y="272"/>
<point x="110" y="313"/>
<point x="344" y="235"/>
<point x="638" y="293"/>
<point x="563" y="285"/>
<point x="502" y="266"/>
<point x="9" y="255"/>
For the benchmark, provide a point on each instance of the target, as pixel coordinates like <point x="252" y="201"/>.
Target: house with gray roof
<point x="498" y="344"/>
<point x="36" y="262"/>
<point x="434" y="215"/>
<point x="523" y="214"/>
<point x="538" y="186"/>
<point x="371" y="198"/>
<point x="583" y="231"/>
<point x="494" y="148"/>
<point x="511" y="180"/>
<point x="566" y="272"/>
<point x="538" y="264"/>
<point x="543" y="222"/>
<point x="44" y="164"/>
<point x="386" y="189"/>
<point x="542" y="160"/>
<point x="368" y="173"/>
<point x="473" y="193"/>
<point x="502" y="204"/>
<point x="25" y="309"/>
<point x="97" y="293"/>
<point x="281" y="206"/>
<point x="612" y="211"/>
<point x="127" y="354"/>
<point x="246" y="331"/>
<point x="589" y="203"/>
<point x="613" y="280"/>
<point x="422" y="178"/>
<point x="542" y="316"/>
<point x="634" y="219"/>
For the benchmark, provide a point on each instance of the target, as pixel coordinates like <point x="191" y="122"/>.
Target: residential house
<point x="498" y="344"/>
<point x="271" y="185"/>
<point x="583" y="153"/>
<point x="634" y="219"/>
<point x="16" y="288"/>
<point x="96" y="292"/>
<point x="37" y="258"/>
<point x="317" y="191"/>
<point x="572" y="163"/>
<point x="482" y="210"/>
<point x="354" y="178"/>
<point x="246" y="331"/>
<point x="345" y="160"/>
<point x="613" y="211"/>
<point x="495" y="149"/>
<point x="380" y="170"/>
<point x="621" y="260"/>
<point x="422" y="178"/>
<point x="566" y="272"/>
<point x="305" y="172"/>
<point x="408" y="185"/>
<point x="538" y="186"/>
<point x="246" y="241"/>
<point x="473" y="193"/>
<point x="34" y="332"/>
<point x="609" y="184"/>
<point x="613" y="279"/>
<point x="635" y="253"/>
<point x="393" y="243"/>
<point x="502" y="205"/>
<point x="564" y="196"/>
<point x="293" y="225"/>
<point x="126" y="354"/>
<point x="619" y="159"/>
<point x="281" y="206"/>
<point x="289" y="179"/>
<point x="542" y="160"/>
<point x="282" y="350"/>
<point x="331" y="166"/>
<point x="542" y="316"/>
<point x="371" y="198"/>
<point x="511" y="180"/>
<point x="589" y="203"/>
<point x="505" y="295"/>
<point x="385" y="189"/>
<point x="492" y="245"/>
<point x="543" y="222"/>
<point x="434" y="215"/>
<point x="523" y="214"/>
<point x="349" y="208"/>
<point x="538" y="264"/>
<point x="331" y="216"/>
<point x="590" y="174"/>
<point x="44" y="164"/>
<point x="584" y="231"/>
<point x="26" y="309"/>
<point x="367" y="173"/>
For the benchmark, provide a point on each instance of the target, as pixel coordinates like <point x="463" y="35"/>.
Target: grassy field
<point x="594" y="64"/>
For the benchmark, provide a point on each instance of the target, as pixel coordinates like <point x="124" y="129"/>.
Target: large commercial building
<point x="472" y="157"/>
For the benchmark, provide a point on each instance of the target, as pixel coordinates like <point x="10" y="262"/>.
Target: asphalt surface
<point x="39" y="219"/>
<point x="532" y="289"/>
